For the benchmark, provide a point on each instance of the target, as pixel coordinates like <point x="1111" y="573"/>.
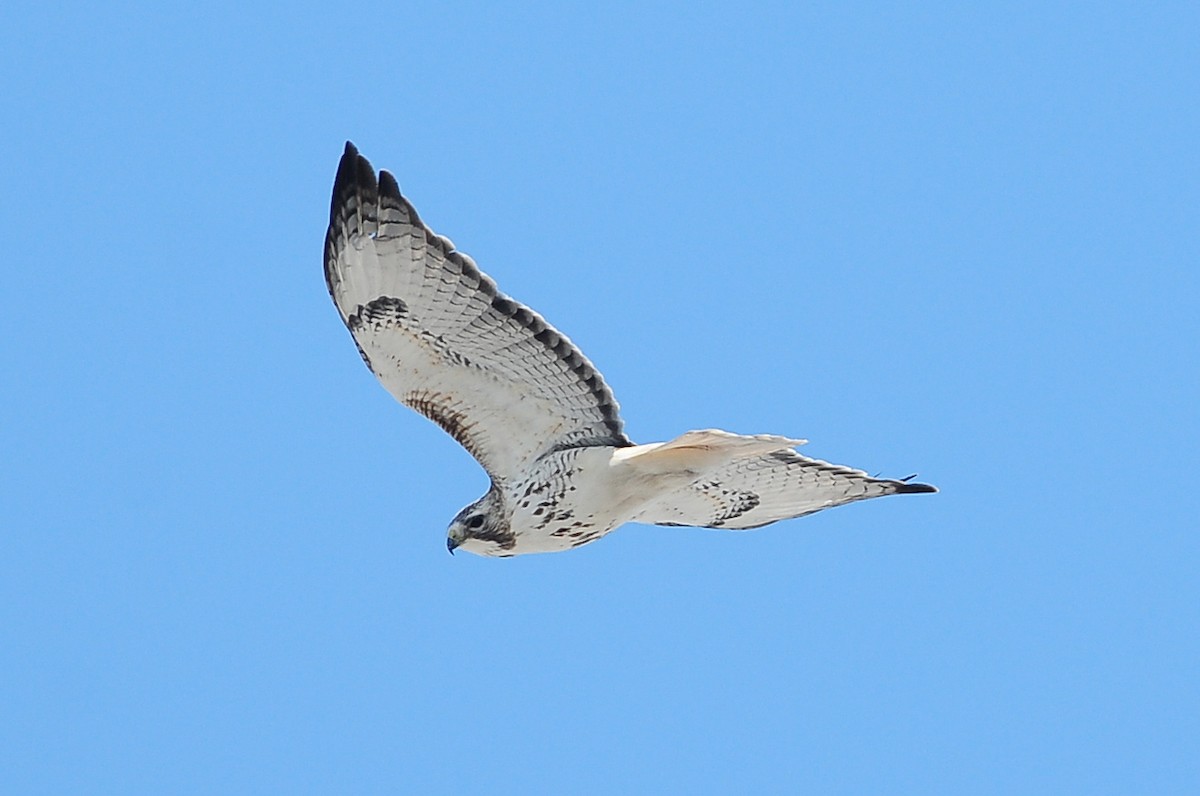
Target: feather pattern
<point x="530" y="407"/>
<point x="444" y="340"/>
<point x="756" y="491"/>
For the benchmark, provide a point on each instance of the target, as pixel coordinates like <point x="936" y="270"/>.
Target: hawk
<point x="530" y="407"/>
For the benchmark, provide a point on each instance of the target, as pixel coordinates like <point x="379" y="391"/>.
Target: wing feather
<point x="444" y="340"/>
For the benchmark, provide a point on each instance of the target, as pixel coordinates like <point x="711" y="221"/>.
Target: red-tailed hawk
<point x="517" y="394"/>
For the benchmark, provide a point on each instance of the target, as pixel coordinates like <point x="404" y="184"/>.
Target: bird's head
<point x="482" y="528"/>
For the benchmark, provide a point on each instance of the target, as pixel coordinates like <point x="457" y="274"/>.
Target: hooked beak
<point x="451" y="545"/>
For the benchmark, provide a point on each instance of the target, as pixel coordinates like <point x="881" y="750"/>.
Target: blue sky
<point x="954" y="239"/>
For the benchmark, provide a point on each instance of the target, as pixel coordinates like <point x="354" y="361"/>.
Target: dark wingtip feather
<point x="387" y="185"/>
<point x="365" y="174"/>
<point x="913" y="489"/>
<point x="353" y="169"/>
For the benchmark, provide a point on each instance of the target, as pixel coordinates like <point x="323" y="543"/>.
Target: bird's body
<point x="548" y="511"/>
<point x="522" y="399"/>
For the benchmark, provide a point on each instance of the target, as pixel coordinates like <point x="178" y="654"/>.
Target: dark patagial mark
<point x="437" y="407"/>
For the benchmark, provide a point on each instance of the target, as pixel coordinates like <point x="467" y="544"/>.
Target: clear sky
<point x="954" y="240"/>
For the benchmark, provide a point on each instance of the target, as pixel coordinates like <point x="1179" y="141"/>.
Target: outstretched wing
<point x="443" y="340"/>
<point x="756" y="491"/>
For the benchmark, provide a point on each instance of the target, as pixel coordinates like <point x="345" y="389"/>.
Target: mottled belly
<point x="570" y="500"/>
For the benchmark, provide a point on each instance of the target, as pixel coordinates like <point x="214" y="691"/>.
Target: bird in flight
<point x="530" y="407"/>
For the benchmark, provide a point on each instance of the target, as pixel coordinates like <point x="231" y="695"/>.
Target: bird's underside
<point x="525" y="402"/>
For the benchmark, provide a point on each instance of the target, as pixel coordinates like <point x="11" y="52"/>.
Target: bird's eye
<point x="475" y="522"/>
